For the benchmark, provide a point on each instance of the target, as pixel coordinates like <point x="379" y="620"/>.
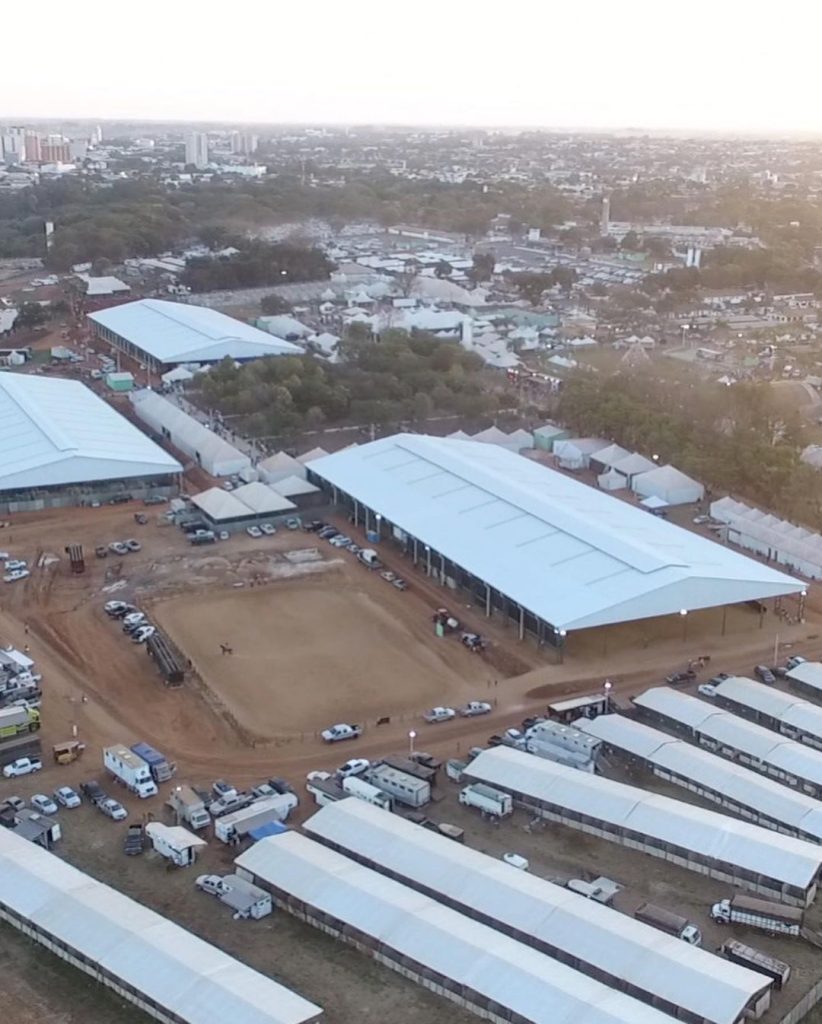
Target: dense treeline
<point x="735" y="440"/>
<point x="400" y="379"/>
<point x="255" y="265"/>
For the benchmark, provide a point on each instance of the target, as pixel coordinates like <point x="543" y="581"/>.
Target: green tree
<point x="31" y="314"/>
<point x="443" y="269"/>
<point x="273" y="305"/>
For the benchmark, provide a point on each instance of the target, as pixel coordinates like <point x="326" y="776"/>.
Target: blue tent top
<point x="271" y="828"/>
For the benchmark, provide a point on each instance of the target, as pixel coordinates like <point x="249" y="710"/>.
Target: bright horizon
<point x="718" y="67"/>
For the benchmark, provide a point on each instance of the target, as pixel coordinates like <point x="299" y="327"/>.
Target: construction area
<point x="282" y="636"/>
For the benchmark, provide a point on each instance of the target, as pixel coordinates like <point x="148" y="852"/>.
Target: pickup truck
<point x="92" y="791"/>
<point x="134" y="843"/>
<point x="474" y="707"/>
<point x="342" y="731"/>
<point x="22" y="766"/>
<point x="439" y="715"/>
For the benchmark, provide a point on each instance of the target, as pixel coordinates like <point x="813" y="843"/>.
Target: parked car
<point x="228" y="485"/>
<point x="354" y="549"/>
<point x="15" y="575"/>
<point x="328" y="532"/>
<point x="516" y="861"/>
<point x="44" y="804"/>
<point x="212" y="884"/>
<point x="268" y="529"/>
<point x="132" y="544"/>
<point x="135" y="841"/>
<point x="439" y="714"/>
<point x="794" y="660"/>
<point x="15" y="564"/>
<point x="314" y="526"/>
<point x="399" y="583"/>
<point x="116" y="609"/>
<point x="356" y="766"/>
<point x="701" y="520"/>
<point x="675" y="678"/>
<point x="15" y="803"/>
<point x="119" y="499"/>
<point x="22" y="766"/>
<point x="112" y="809"/>
<point x="117" y="547"/>
<point x="318" y="776"/>
<point x="343" y="731"/>
<point x="706" y="689"/>
<point x="340" y="541"/>
<point x="92" y="791"/>
<point x="474" y="707"/>
<point x="66" y="797"/>
<point x="140" y="518"/>
<point x="764" y="675"/>
<point x="155" y="499"/>
<point x="140" y="635"/>
<point x="293" y="523"/>
<point x="254" y="531"/>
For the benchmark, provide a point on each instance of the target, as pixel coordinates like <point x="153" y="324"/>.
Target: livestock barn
<point x="530" y="544"/>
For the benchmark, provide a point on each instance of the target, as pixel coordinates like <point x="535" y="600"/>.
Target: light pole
<point x="684" y="614"/>
<point x="378" y="517"/>
<point x="411" y="737"/>
<point x="606" y="690"/>
<point x="428" y="558"/>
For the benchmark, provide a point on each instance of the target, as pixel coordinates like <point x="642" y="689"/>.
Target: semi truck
<point x="161" y="768"/>
<point x="189" y="807"/>
<point x="129" y="769"/>
<point x="234" y="826"/>
<point x="17" y="721"/>
<point x="667" y="921"/>
<point x="363" y="790"/>
<point x="487" y="799"/>
<point x="755" y="960"/>
<point x="770" y="917"/>
<point x="404" y="788"/>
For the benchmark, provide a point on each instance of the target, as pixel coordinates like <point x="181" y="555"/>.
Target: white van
<point x="369" y="558"/>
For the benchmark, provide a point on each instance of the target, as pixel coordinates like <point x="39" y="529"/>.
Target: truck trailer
<point x="189" y="807"/>
<point x="410" y="767"/>
<point x="17" y="721"/>
<point x="325" y="791"/>
<point x="161" y="768"/>
<point x="666" y="921"/>
<point x="487" y="799"/>
<point x="128" y="768"/>
<point x="404" y="788"/>
<point x="18" y="746"/>
<point x="363" y="790"/>
<point x="771" y="917"/>
<point x="755" y="960"/>
<point x="234" y="826"/>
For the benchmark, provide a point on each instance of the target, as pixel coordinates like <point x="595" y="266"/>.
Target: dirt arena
<point x="316" y="651"/>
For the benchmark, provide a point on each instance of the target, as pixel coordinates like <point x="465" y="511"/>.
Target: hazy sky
<point x="711" y="64"/>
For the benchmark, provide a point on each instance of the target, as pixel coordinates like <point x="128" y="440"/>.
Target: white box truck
<point x="189" y="807"/>
<point x="487" y="799"/>
<point x="130" y="770"/>
<point x="770" y="917"/>
<point x="363" y="790"/>
<point x="667" y="921"/>
<point x="273" y="808"/>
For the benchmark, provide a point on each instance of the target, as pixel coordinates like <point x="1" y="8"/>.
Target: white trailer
<point x="273" y="808"/>
<point x="363" y="790"/>
<point x="770" y="917"/>
<point x="325" y="791"/>
<point x="487" y="799"/>
<point x="404" y="788"/>
<point x="130" y="770"/>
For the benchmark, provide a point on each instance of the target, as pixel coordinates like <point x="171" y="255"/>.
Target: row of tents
<point x="775" y="539"/>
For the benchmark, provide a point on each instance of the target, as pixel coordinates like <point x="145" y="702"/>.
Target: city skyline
<point x="607" y="68"/>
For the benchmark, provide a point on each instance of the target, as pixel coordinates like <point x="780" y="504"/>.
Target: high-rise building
<point x="197" y="150"/>
<point x="33" y="148"/>
<point x="244" y="143"/>
<point x="55" y="149"/>
<point x="14" y="145"/>
<point x="605" y="216"/>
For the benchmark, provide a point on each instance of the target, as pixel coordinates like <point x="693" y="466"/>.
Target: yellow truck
<point x="18" y="720"/>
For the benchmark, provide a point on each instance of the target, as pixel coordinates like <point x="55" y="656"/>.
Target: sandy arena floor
<point x="316" y="651"/>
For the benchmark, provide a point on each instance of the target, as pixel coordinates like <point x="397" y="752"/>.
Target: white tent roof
<point x="791" y="808"/>
<point x="103" y="285"/>
<point x="178" y="373"/>
<point x="220" y="505"/>
<point x="790" y="710"/>
<point x="667" y="482"/>
<point x="55" y="431"/>
<point x="184" y="431"/>
<point x="282" y="326"/>
<point x="529" y="983"/>
<point x="570" y="446"/>
<point x="315" y="453"/>
<point x="610" y="455"/>
<point x="705" y="833"/>
<point x="633" y="464"/>
<point x="791" y="540"/>
<point x="594" y="935"/>
<point x="190" y="978"/>
<point x="279" y="462"/>
<point x="175" y="332"/>
<point x="566" y="552"/>
<point x="291" y="486"/>
<point x="261" y="500"/>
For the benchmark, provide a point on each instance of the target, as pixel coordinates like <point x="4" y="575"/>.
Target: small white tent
<point x="611" y="481"/>
<point x="668" y="483"/>
<point x="576" y="452"/>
